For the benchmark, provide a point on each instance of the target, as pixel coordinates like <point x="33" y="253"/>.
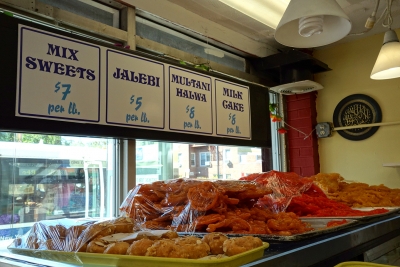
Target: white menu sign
<point x="135" y="91"/>
<point x="232" y="109"/>
<point x="61" y="78"/>
<point x="58" y="77"/>
<point x="190" y="101"/>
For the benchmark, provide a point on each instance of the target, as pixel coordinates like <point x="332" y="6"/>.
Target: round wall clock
<point x="355" y="110"/>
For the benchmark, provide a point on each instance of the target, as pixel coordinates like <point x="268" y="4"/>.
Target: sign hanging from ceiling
<point x="135" y="93"/>
<point x="60" y="78"/>
<point x="190" y="101"/>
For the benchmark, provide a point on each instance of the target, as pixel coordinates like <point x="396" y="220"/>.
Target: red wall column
<point x="303" y="153"/>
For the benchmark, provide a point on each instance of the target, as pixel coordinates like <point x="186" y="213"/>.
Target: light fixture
<point x="266" y="12"/>
<point x="311" y="23"/>
<point x="387" y="65"/>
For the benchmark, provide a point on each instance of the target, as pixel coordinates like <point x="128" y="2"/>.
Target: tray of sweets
<point x="391" y="210"/>
<point x="318" y="224"/>
<point x="98" y="259"/>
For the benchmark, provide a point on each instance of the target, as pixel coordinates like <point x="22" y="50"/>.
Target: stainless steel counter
<point x="326" y="250"/>
<point x="331" y="249"/>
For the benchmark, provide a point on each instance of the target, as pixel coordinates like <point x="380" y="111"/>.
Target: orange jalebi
<point x="203" y="197"/>
<point x="196" y="205"/>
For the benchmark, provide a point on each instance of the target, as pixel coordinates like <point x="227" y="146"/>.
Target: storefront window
<point x="164" y="161"/>
<point x="47" y="177"/>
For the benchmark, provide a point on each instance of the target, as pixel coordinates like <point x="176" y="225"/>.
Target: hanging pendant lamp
<point x="387" y="65"/>
<point x="311" y="23"/>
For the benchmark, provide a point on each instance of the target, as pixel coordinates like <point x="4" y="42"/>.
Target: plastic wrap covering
<point x="119" y="236"/>
<point x="284" y="186"/>
<point x="191" y="205"/>
<point x="302" y="195"/>
<point x="71" y="235"/>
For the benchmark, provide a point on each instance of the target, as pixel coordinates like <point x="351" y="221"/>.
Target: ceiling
<point x="357" y="10"/>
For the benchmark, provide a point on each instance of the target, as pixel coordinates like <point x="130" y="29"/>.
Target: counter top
<point x="331" y="249"/>
<point x="325" y="250"/>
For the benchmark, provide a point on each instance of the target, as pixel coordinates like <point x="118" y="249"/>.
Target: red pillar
<point x="303" y="153"/>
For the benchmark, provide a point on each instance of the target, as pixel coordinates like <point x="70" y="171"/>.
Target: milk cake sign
<point x="232" y="109"/>
<point x="58" y="77"/>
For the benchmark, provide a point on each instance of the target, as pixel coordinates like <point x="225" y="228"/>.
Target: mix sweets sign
<point x="60" y="78"/>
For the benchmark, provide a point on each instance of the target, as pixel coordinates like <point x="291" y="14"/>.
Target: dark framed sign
<point x="355" y="110"/>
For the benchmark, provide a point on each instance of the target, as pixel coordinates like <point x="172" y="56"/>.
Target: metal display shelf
<point x="331" y="249"/>
<point x="326" y="250"/>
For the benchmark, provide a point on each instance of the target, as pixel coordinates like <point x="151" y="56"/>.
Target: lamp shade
<point x="335" y="23"/>
<point x="387" y="65"/>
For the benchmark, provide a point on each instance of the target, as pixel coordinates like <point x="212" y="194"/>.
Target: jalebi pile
<point x="304" y="196"/>
<point x="190" y="205"/>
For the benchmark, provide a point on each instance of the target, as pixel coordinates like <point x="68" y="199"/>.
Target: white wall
<point x="362" y="161"/>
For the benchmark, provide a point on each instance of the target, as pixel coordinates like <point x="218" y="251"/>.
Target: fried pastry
<point x="97" y="230"/>
<point x="75" y="231"/>
<point x="242" y="244"/>
<point x="188" y="248"/>
<point x="96" y="246"/>
<point x="215" y="241"/>
<point x="170" y="235"/>
<point x="117" y="248"/>
<point x="139" y="248"/>
<point x="32" y="241"/>
<point x="123" y="225"/>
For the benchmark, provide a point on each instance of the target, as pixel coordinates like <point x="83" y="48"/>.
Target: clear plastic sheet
<point x="192" y="205"/>
<point x="284" y="186"/>
<point x="71" y="235"/>
<point x="188" y="205"/>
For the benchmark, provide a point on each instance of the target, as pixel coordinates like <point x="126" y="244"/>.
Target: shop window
<point x="165" y="161"/>
<point x="47" y="177"/>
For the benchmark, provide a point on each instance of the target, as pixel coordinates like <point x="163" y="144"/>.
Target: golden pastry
<point x="139" y="247"/>
<point x="215" y="241"/>
<point x="239" y="245"/>
<point x="96" y="246"/>
<point x="117" y="248"/>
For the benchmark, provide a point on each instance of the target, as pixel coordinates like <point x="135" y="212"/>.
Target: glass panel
<point x="172" y="38"/>
<point x="164" y="161"/>
<point x="53" y="177"/>
<point x="88" y="9"/>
